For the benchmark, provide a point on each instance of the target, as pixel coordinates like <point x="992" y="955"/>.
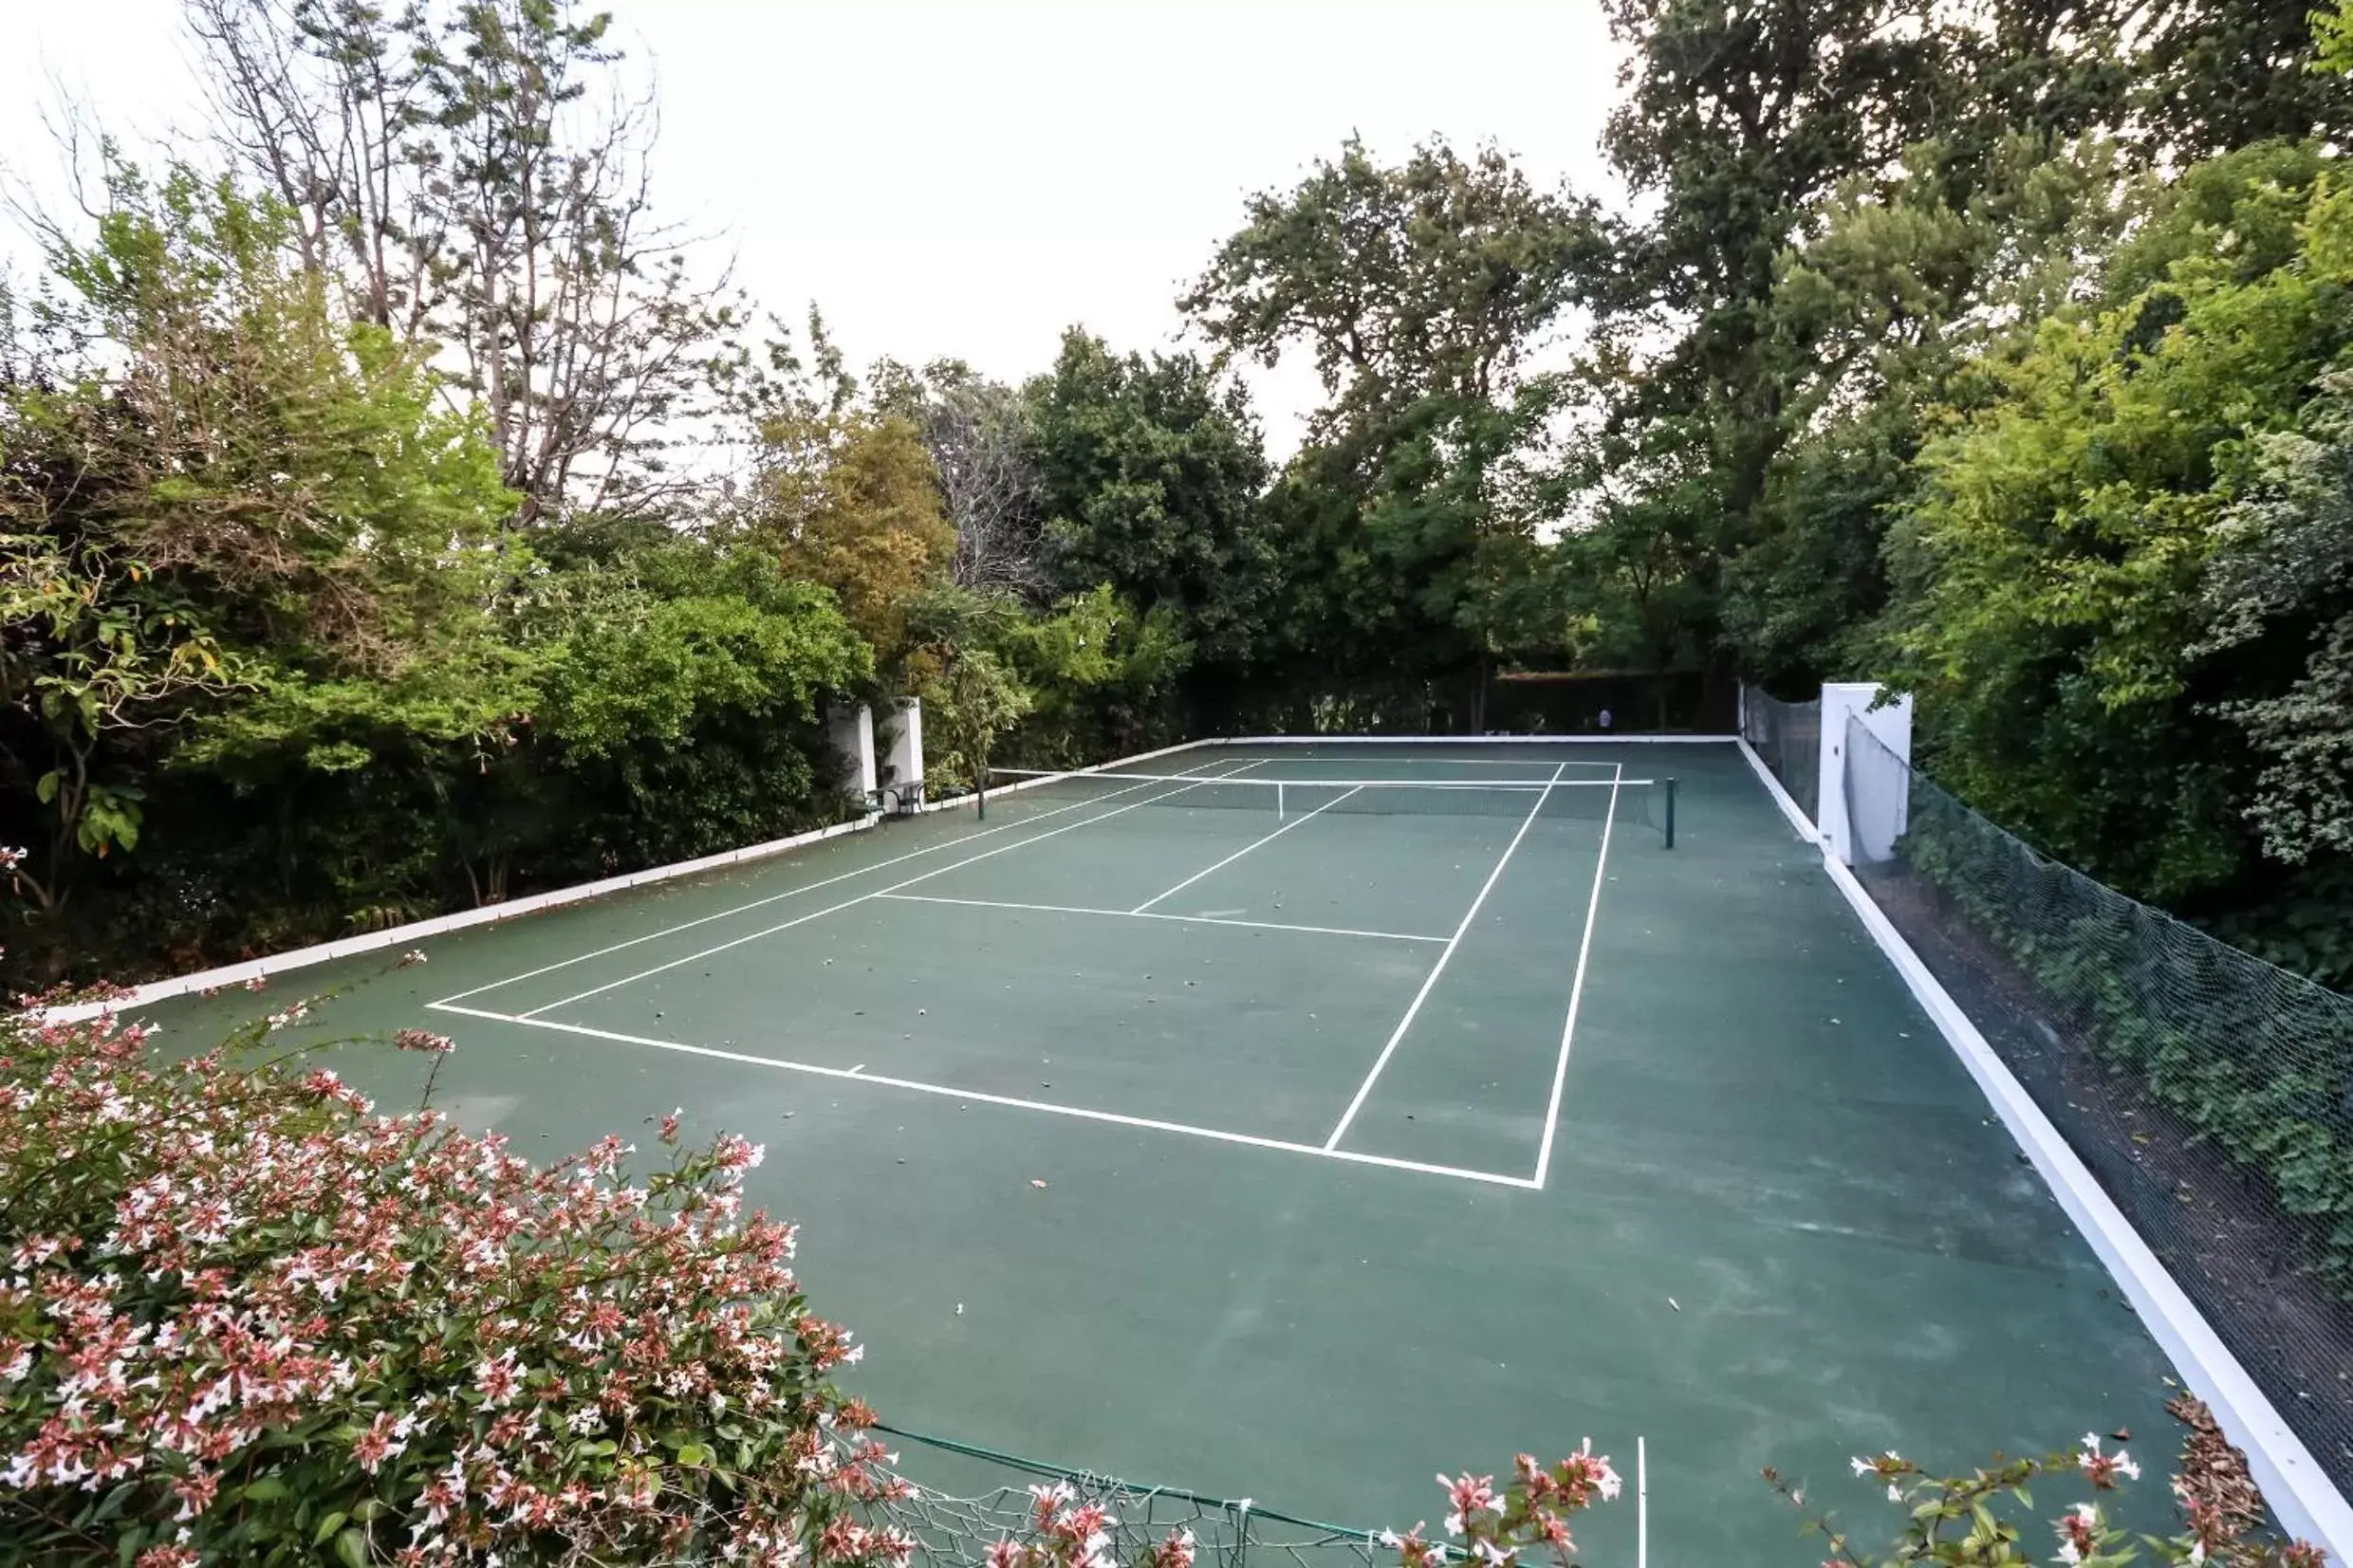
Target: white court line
<point x="1138" y="915"/>
<point x="1642" y="1503"/>
<point x="1239" y="853"/>
<point x="1436" y="761"/>
<point x="847" y="903"/>
<point x="947" y="1092"/>
<point x="1364" y="1089"/>
<point x="809" y="887"/>
<point x="1576" y="994"/>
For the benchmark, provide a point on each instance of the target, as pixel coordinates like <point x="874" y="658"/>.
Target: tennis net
<point x="1647" y="804"/>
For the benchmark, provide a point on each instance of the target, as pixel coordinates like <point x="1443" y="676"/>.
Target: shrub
<point x="243" y="1320"/>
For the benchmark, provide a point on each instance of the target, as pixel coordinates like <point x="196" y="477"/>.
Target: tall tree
<point x="1149" y="473"/>
<point x="1425" y="294"/>
<point x="475" y="174"/>
<point x="977" y="431"/>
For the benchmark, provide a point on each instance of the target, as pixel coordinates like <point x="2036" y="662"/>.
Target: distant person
<point x="1604" y="721"/>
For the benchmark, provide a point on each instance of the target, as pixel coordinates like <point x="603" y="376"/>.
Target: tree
<point x="977" y="433"/>
<point x="238" y="533"/>
<point x="851" y="502"/>
<point x="2050" y="584"/>
<point x="1149" y="473"/>
<point x="475" y="176"/>
<point x="1424" y="293"/>
<point x="1440" y="276"/>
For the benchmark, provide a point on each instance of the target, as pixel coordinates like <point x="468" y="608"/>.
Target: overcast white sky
<point x="967" y="179"/>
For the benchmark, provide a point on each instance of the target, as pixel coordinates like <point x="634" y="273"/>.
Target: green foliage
<point x="1149" y="475"/>
<point x="2053" y="568"/>
<point x="662" y="640"/>
<point x="1422" y="292"/>
<point x="1100" y="674"/>
<point x="969" y="706"/>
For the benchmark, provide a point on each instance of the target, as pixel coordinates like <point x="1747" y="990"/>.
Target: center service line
<point x="1364" y="1089"/>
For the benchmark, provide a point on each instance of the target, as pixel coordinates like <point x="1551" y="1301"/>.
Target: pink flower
<point x="2079" y="1533"/>
<point x="424" y="1040"/>
<point x="2104" y="1469"/>
<point x="195" y="1491"/>
<point x="498" y="1380"/>
<point x="1175" y="1551"/>
<point x="1469" y="1495"/>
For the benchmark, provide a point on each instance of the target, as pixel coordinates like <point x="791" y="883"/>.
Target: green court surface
<point x="1296" y="1149"/>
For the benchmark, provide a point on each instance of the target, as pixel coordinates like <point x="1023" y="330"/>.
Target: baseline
<point x="847" y="903"/>
<point x="1469" y="739"/>
<point x="1143" y="914"/>
<point x="1429" y="981"/>
<point x="945" y="1091"/>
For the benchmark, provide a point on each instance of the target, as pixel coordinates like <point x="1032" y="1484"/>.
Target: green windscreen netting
<point x="1787" y="737"/>
<point x="2210" y="1093"/>
<point x="963" y="1498"/>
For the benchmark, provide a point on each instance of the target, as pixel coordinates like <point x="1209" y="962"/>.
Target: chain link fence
<point x="2210" y="1093"/>
<point x="1787" y="736"/>
<point x="972" y="1498"/>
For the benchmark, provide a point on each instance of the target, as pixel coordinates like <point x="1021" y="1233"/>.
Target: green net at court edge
<point x="2210" y="1093"/>
<point x="1787" y="737"/>
<point x="1647" y="805"/>
<point x="992" y="1501"/>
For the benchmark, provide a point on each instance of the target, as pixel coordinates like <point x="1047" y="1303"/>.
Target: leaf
<point x="45" y="791"/>
<point x="268" y="1489"/>
<point x="351" y="1546"/>
<point x="327" y="1526"/>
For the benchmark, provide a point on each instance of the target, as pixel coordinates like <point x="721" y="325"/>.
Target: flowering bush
<point x="1971" y="1519"/>
<point x="242" y="1319"/>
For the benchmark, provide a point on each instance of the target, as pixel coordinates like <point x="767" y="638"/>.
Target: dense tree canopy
<point x="393" y="516"/>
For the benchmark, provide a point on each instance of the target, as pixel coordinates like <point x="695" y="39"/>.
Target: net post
<point x="1670" y="813"/>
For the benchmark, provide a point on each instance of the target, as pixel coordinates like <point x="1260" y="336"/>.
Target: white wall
<point x="850" y="728"/>
<point x="903" y="743"/>
<point x="1840" y="702"/>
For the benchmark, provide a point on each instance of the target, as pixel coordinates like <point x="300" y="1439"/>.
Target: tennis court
<point x="1292" y="1120"/>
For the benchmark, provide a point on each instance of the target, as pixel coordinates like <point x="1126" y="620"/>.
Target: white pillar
<point x="850" y="726"/>
<point x="904" y="747"/>
<point x="1881" y="820"/>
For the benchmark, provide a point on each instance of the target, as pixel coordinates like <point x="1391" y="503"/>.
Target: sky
<point x="966" y="180"/>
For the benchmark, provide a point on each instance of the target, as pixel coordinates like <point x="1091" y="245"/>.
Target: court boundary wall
<point x="2306" y="1501"/>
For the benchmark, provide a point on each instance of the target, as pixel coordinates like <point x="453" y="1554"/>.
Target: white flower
<point x="1860" y="1466"/>
<point x="1895" y="1493"/>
